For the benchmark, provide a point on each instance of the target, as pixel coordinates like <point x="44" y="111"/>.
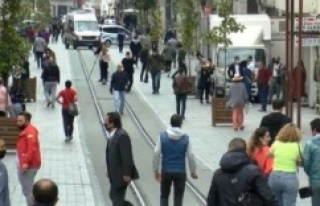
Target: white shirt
<point x="276" y="68"/>
<point x="111" y="134"/>
<point x="237" y="69"/>
<point x="251" y="66"/>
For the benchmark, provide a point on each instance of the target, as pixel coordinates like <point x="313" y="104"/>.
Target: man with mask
<point x="28" y="154"/>
<point x="121" y="169"/>
<point x="4" y="186"/>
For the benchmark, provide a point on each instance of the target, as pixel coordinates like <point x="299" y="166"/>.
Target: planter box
<point x="191" y="85"/>
<point x="33" y="89"/>
<point x="9" y="132"/>
<point x="220" y="114"/>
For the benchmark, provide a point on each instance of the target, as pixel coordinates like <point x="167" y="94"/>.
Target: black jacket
<point x="204" y="80"/>
<point x="274" y="122"/>
<point x="51" y="74"/>
<point x="135" y="46"/>
<point x="232" y="70"/>
<point x="237" y="176"/>
<point x="119" y="81"/>
<point x="119" y="158"/>
<point x="144" y="55"/>
<point x="128" y="65"/>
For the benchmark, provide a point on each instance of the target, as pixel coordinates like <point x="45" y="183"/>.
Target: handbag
<point x="72" y="108"/>
<point x="304" y="192"/>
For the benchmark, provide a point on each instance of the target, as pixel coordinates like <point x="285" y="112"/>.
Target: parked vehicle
<point x="109" y="34"/>
<point x="81" y="29"/>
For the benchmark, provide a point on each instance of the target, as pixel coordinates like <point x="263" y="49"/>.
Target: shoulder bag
<point x="72" y="108"/>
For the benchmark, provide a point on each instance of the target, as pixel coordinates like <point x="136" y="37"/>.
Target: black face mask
<point x="22" y="127"/>
<point x="2" y="153"/>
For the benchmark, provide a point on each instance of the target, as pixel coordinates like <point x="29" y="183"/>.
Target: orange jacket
<point x="28" y="149"/>
<point x="260" y="156"/>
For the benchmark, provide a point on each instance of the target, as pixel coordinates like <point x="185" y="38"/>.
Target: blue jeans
<point x="247" y="84"/>
<point x="263" y="96"/>
<point x="285" y="186"/>
<point x="315" y="193"/>
<point x="156" y="76"/>
<point x="119" y="97"/>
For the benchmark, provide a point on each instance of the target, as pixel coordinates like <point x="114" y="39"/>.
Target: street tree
<point x="189" y="14"/>
<point x="219" y="34"/>
<point x="156" y="30"/>
<point x="13" y="48"/>
<point x="42" y="13"/>
<point x="144" y="7"/>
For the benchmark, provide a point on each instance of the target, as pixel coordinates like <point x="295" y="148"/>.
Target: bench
<point x="32" y="89"/>
<point x="220" y="114"/>
<point x="9" y="132"/>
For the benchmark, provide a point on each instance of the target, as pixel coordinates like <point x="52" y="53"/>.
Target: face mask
<point x="22" y="127"/>
<point x="2" y="154"/>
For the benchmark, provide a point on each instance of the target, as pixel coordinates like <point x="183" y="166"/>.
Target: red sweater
<point x="264" y="75"/>
<point x="260" y="155"/>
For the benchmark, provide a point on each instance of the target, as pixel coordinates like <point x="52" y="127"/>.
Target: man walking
<point x="275" y="120"/>
<point x="45" y="193"/>
<point x="263" y="80"/>
<point x="174" y="146"/>
<point x="4" y="182"/>
<point x="39" y="46"/>
<point x="121" y="169"/>
<point x="121" y="37"/>
<point x="127" y="63"/>
<point x="239" y="181"/>
<point x="180" y="88"/>
<point x="69" y="96"/>
<point x="51" y="79"/>
<point x="28" y="154"/>
<point x="155" y="65"/>
<point x="144" y="55"/>
<point x="118" y="86"/>
<point x="311" y="161"/>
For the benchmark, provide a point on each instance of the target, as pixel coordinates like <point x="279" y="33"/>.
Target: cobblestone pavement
<point x="66" y="164"/>
<point x="209" y="142"/>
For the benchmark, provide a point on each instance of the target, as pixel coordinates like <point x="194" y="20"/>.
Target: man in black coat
<point x="239" y="181"/>
<point x="235" y="68"/>
<point x="119" y="157"/>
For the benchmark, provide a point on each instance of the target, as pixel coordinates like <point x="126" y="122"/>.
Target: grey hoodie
<point x="174" y="133"/>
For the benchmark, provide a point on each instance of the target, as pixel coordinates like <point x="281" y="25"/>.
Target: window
<point x="111" y="30"/>
<point x="86" y="26"/>
<point x="242" y="53"/>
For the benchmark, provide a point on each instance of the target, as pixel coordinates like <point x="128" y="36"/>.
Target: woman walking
<point x="104" y="58"/>
<point x="285" y="151"/>
<point x="258" y="150"/>
<point x="237" y="99"/>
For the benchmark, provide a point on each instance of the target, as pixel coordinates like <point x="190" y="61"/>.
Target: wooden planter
<point x="191" y="85"/>
<point x="220" y="114"/>
<point x="9" y="132"/>
<point x="33" y="89"/>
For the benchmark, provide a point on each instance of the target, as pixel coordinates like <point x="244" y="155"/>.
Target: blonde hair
<point x="289" y="133"/>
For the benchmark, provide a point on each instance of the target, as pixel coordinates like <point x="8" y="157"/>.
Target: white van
<point x="81" y="29"/>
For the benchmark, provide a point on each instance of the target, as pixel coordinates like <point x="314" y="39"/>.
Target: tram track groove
<point x="136" y="189"/>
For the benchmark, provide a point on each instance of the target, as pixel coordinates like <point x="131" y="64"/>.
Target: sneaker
<point x="48" y="104"/>
<point x="67" y="139"/>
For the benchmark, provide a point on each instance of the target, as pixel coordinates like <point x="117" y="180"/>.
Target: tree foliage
<point x="12" y="47"/>
<point x="145" y="5"/>
<point x="42" y="13"/>
<point x="156" y="23"/>
<point x="219" y="34"/>
<point x="188" y="23"/>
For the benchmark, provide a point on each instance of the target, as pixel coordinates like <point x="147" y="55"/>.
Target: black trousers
<point x="117" y="195"/>
<point x="2" y="114"/>
<point x="181" y="103"/>
<point x="130" y="78"/>
<point x="103" y="70"/>
<point x="135" y="57"/>
<point x="120" y="46"/>
<point x="68" y="120"/>
<point x="179" y="183"/>
<point x="204" y="90"/>
<point x="144" y="72"/>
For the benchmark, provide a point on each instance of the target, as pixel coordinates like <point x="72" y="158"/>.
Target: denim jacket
<point x="311" y="159"/>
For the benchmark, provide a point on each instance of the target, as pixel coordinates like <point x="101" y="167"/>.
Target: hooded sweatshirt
<point x="311" y="159"/>
<point x="238" y="176"/>
<point x="274" y="122"/>
<point x="169" y="145"/>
